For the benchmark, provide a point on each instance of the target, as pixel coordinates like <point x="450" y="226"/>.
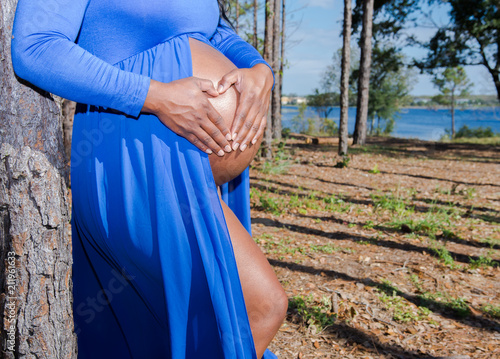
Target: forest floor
<point x="394" y="256"/>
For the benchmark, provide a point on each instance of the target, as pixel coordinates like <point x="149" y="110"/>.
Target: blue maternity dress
<point x="154" y="272"/>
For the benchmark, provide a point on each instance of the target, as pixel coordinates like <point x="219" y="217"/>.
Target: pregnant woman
<point x="163" y="268"/>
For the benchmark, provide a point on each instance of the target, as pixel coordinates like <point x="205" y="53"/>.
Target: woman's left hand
<point x="254" y="85"/>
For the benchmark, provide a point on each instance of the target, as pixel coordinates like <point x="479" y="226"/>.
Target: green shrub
<point x="479" y="132"/>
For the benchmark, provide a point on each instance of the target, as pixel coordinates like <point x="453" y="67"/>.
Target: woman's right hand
<point x="183" y="106"/>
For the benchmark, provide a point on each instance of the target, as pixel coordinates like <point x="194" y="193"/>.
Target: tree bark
<point x="364" y="74"/>
<point x="344" y="80"/>
<point x="496" y="81"/>
<point x="268" y="31"/>
<point x="35" y="247"/>
<point x="237" y="16"/>
<point x="276" y="95"/>
<point x="282" y="61"/>
<point x="68" y="112"/>
<point x="255" y="9"/>
<point x="266" y="149"/>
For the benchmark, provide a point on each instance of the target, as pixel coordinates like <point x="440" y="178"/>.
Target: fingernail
<point x="220" y="153"/>
<point x="254" y="141"/>
<point x="234" y="135"/>
<point x="235" y="146"/>
<point x="227" y="148"/>
<point x="219" y="89"/>
<point x="228" y="136"/>
<point x="243" y="147"/>
<point x="208" y="151"/>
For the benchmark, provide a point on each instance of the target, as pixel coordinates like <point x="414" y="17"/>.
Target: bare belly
<point x="210" y="64"/>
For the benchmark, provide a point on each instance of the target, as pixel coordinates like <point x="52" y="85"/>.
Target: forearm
<point x="44" y="54"/>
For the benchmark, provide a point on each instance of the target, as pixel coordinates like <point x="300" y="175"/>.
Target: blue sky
<point x="314" y="40"/>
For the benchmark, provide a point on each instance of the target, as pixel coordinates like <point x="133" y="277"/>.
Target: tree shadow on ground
<point x="453" y="238"/>
<point x="449" y="312"/>
<point x="316" y="179"/>
<point x="455" y="204"/>
<point x="430" y="178"/>
<point x="357" y="338"/>
<point x="338" y="235"/>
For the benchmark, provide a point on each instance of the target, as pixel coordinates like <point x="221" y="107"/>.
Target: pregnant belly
<point x="210" y="64"/>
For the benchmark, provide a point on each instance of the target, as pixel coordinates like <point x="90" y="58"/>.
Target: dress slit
<point x="146" y="208"/>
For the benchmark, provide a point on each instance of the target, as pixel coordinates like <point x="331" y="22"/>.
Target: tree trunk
<point x="276" y="95"/>
<point x="283" y="18"/>
<point x="452" y="114"/>
<point x="237" y="16"/>
<point x="268" y="31"/>
<point x="35" y="247"/>
<point x="255" y="9"/>
<point x="68" y="112"/>
<point x="496" y="80"/>
<point x="266" y="150"/>
<point x="344" y="80"/>
<point x="364" y="74"/>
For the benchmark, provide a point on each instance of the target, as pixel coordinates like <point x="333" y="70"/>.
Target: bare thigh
<point x="265" y="298"/>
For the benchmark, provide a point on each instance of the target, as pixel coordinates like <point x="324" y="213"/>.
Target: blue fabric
<point x="154" y="273"/>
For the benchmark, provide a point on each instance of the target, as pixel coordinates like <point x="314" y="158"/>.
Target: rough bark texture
<point x="268" y="31"/>
<point x="68" y="112"/>
<point x="364" y="74"/>
<point x="344" y="80"/>
<point x="276" y="96"/>
<point x="35" y="250"/>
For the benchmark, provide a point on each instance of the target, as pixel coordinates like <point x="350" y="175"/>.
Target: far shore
<point x="414" y="107"/>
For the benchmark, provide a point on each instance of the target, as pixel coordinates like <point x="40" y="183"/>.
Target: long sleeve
<point x="240" y="52"/>
<point x="44" y="53"/>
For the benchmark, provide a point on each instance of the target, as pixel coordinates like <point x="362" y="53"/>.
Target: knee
<point x="281" y="300"/>
<point x="274" y="306"/>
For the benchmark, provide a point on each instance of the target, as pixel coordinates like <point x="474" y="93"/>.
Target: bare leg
<point x="265" y="299"/>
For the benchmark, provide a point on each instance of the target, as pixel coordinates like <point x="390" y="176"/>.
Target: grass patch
<point x="334" y="204"/>
<point x="374" y="170"/>
<point x="402" y="310"/>
<point x="312" y="313"/>
<point x="431" y="301"/>
<point x="480" y="141"/>
<point x="482" y="262"/>
<point x="283" y="246"/>
<point x="326" y="248"/>
<point x="280" y="162"/>
<point x="443" y="254"/>
<point x="271" y="204"/>
<point x="436" y="219"/>
<point x="492" y="242"/>
<point x="343" y="163"/>
<point x="493" y="310"/>
<point x="369" y="240"/>
<point x="442" y="300"/>
<point x="392" y="203"/>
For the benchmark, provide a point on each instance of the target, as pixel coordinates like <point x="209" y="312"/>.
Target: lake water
<point x="424" y="124"/>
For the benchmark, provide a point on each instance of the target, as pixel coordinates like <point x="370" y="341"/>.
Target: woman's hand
<point x="254" y="85"/>
<point x="183" y="106"/>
